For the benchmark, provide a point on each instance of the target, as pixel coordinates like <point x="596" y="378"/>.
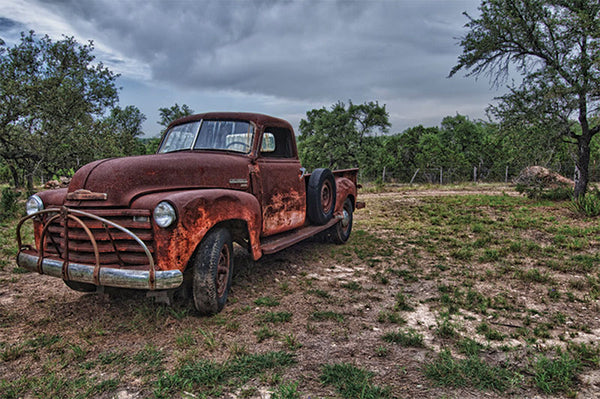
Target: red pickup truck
<point x="167" y="221"/>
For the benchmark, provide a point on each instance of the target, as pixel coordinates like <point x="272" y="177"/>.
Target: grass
<point x="327" y="315"/>
<point x="498" y="282"/>
<point x="556" y="375"/>
<point x="409" y="337"/>
<point x="209" y="377"/>
<point x="352" y="382"/>
<point x="470" y="372"/>
<point x="275" y="317"/>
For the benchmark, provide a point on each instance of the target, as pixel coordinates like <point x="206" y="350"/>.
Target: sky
<point x="281" y="58"/>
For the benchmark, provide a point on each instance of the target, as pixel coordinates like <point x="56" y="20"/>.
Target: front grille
<point x="116" y="248"/>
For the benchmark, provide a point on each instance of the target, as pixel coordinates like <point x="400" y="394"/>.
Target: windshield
<point x="213" y="135"/>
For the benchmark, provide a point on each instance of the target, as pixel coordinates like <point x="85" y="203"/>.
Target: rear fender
<point x="346" y="188"/>
<point x="198" y="211"/>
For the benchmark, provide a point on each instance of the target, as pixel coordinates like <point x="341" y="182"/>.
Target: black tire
<point x="340" y="233"/>
<point x="320" y="196"/>
<point x="212" y="268"/>
<point x="81" y="287"/>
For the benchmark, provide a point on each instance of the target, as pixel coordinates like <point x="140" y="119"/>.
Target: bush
<point x="540" y="191"/>
<point x="588" y="205"/>
<point x="9" y="203"/>
<point x="540" y="183"/>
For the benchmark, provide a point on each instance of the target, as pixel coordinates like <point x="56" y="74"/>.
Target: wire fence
<point x="440" y="175"/>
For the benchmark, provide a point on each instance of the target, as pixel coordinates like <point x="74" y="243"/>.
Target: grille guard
<point x="97" y="274"/>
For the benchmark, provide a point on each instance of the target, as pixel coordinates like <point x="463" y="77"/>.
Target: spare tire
<point x="320" y="196"/>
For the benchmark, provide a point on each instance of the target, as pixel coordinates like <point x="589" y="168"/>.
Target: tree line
<point x="346" y="136"/>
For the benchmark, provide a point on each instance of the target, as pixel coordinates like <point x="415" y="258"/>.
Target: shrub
<point x="587" y="205"/>
<point x="8" y="203"/>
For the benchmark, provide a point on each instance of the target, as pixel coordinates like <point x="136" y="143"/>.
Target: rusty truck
<point x="168" y="221"/>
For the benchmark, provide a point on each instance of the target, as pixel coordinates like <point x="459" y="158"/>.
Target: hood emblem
<point x="86" y="195"/>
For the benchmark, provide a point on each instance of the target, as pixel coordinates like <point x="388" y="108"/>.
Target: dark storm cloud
<point x="8" y="25"/>
<point x="300" y="50"/>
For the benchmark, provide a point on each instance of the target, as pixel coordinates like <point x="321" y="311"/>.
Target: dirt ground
<point x="309" y="279"/>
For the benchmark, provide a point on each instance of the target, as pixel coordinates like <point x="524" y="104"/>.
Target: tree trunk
<point x="30" y="184"/>
<point x="15" y="176"/>
<point x="582" y="164"/>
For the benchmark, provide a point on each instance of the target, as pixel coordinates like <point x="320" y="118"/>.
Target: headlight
<point x="164" y="214"/>
<point x="34" y="204"/>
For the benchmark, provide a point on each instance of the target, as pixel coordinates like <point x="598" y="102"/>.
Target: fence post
<point x="506" y="175"/>
<point x="475" y="174"/>
<point x="383" y="177"/>
<point x="415" y="175"/>
<point x="441" y="176"/>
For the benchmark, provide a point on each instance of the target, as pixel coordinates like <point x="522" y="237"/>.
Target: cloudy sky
<point x="281" y="58"/>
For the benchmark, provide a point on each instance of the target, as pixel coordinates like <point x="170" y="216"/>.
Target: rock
<point x="538" y="175"/>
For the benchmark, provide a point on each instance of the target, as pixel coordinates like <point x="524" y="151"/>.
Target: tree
<point x="168" y="115"/>
<point x="118" y="133"/>
<point x="555" y="46"/>
<point x="334" y="138"/>
<point x="50" y="94"/>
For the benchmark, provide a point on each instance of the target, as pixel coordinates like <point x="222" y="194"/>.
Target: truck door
<point x="283" y="190"/>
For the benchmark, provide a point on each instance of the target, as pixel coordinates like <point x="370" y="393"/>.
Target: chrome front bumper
<point x="123" y="278"/>
<point x="97" y="274"/>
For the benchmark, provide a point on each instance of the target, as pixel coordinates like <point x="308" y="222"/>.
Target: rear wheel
<point x="341" y="231"/>
<point x="212" y="268"/>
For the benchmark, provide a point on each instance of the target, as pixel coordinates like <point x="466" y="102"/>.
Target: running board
<point x="281" y="241"/>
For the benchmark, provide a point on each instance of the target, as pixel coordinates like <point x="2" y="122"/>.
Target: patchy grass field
<point x="440" y="293"/>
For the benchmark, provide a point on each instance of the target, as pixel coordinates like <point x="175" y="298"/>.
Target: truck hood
<point x="124" y="179"/>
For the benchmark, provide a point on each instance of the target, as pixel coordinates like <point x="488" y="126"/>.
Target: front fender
<point x="197" y="212"/>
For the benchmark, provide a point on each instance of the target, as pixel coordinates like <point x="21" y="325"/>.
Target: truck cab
<point x="168" y="221"/>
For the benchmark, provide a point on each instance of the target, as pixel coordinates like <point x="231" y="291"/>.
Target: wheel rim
<point x="326" y="197"/>
<point x="346" y="222"/>
<point x="346" y="219"/>
<point x="223" y="271"/>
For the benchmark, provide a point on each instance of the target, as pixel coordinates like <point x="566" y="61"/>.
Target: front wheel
<point x="212" y="267"/>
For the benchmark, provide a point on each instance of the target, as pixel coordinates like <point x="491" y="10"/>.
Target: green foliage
<point x="538" y="189"/>
<point x="472" y="371"/>
<point x="266" y="301"/>
<point x="327" y="315"/>
<point x="338" y="138"/>
<point x="276" y="317"/>
<point x="409" y="338"/>
<point x="556" y="375"/>
<point x="8" y="203"/>
<point x="118" y="134"/>
<point x="588" y="205"/>
<point x="51" y="93"/>
<point x="206" y="376"/>
<point x="553" y="45"/>
<point x="170" y="114"/>
<point x="288" y="390"/>
<point x="352" y="382"/>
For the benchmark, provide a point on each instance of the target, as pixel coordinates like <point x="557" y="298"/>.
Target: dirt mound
<point x="540" y="176"/>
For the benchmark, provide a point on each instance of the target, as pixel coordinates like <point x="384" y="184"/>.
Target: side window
<point x="276" y="143"/>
